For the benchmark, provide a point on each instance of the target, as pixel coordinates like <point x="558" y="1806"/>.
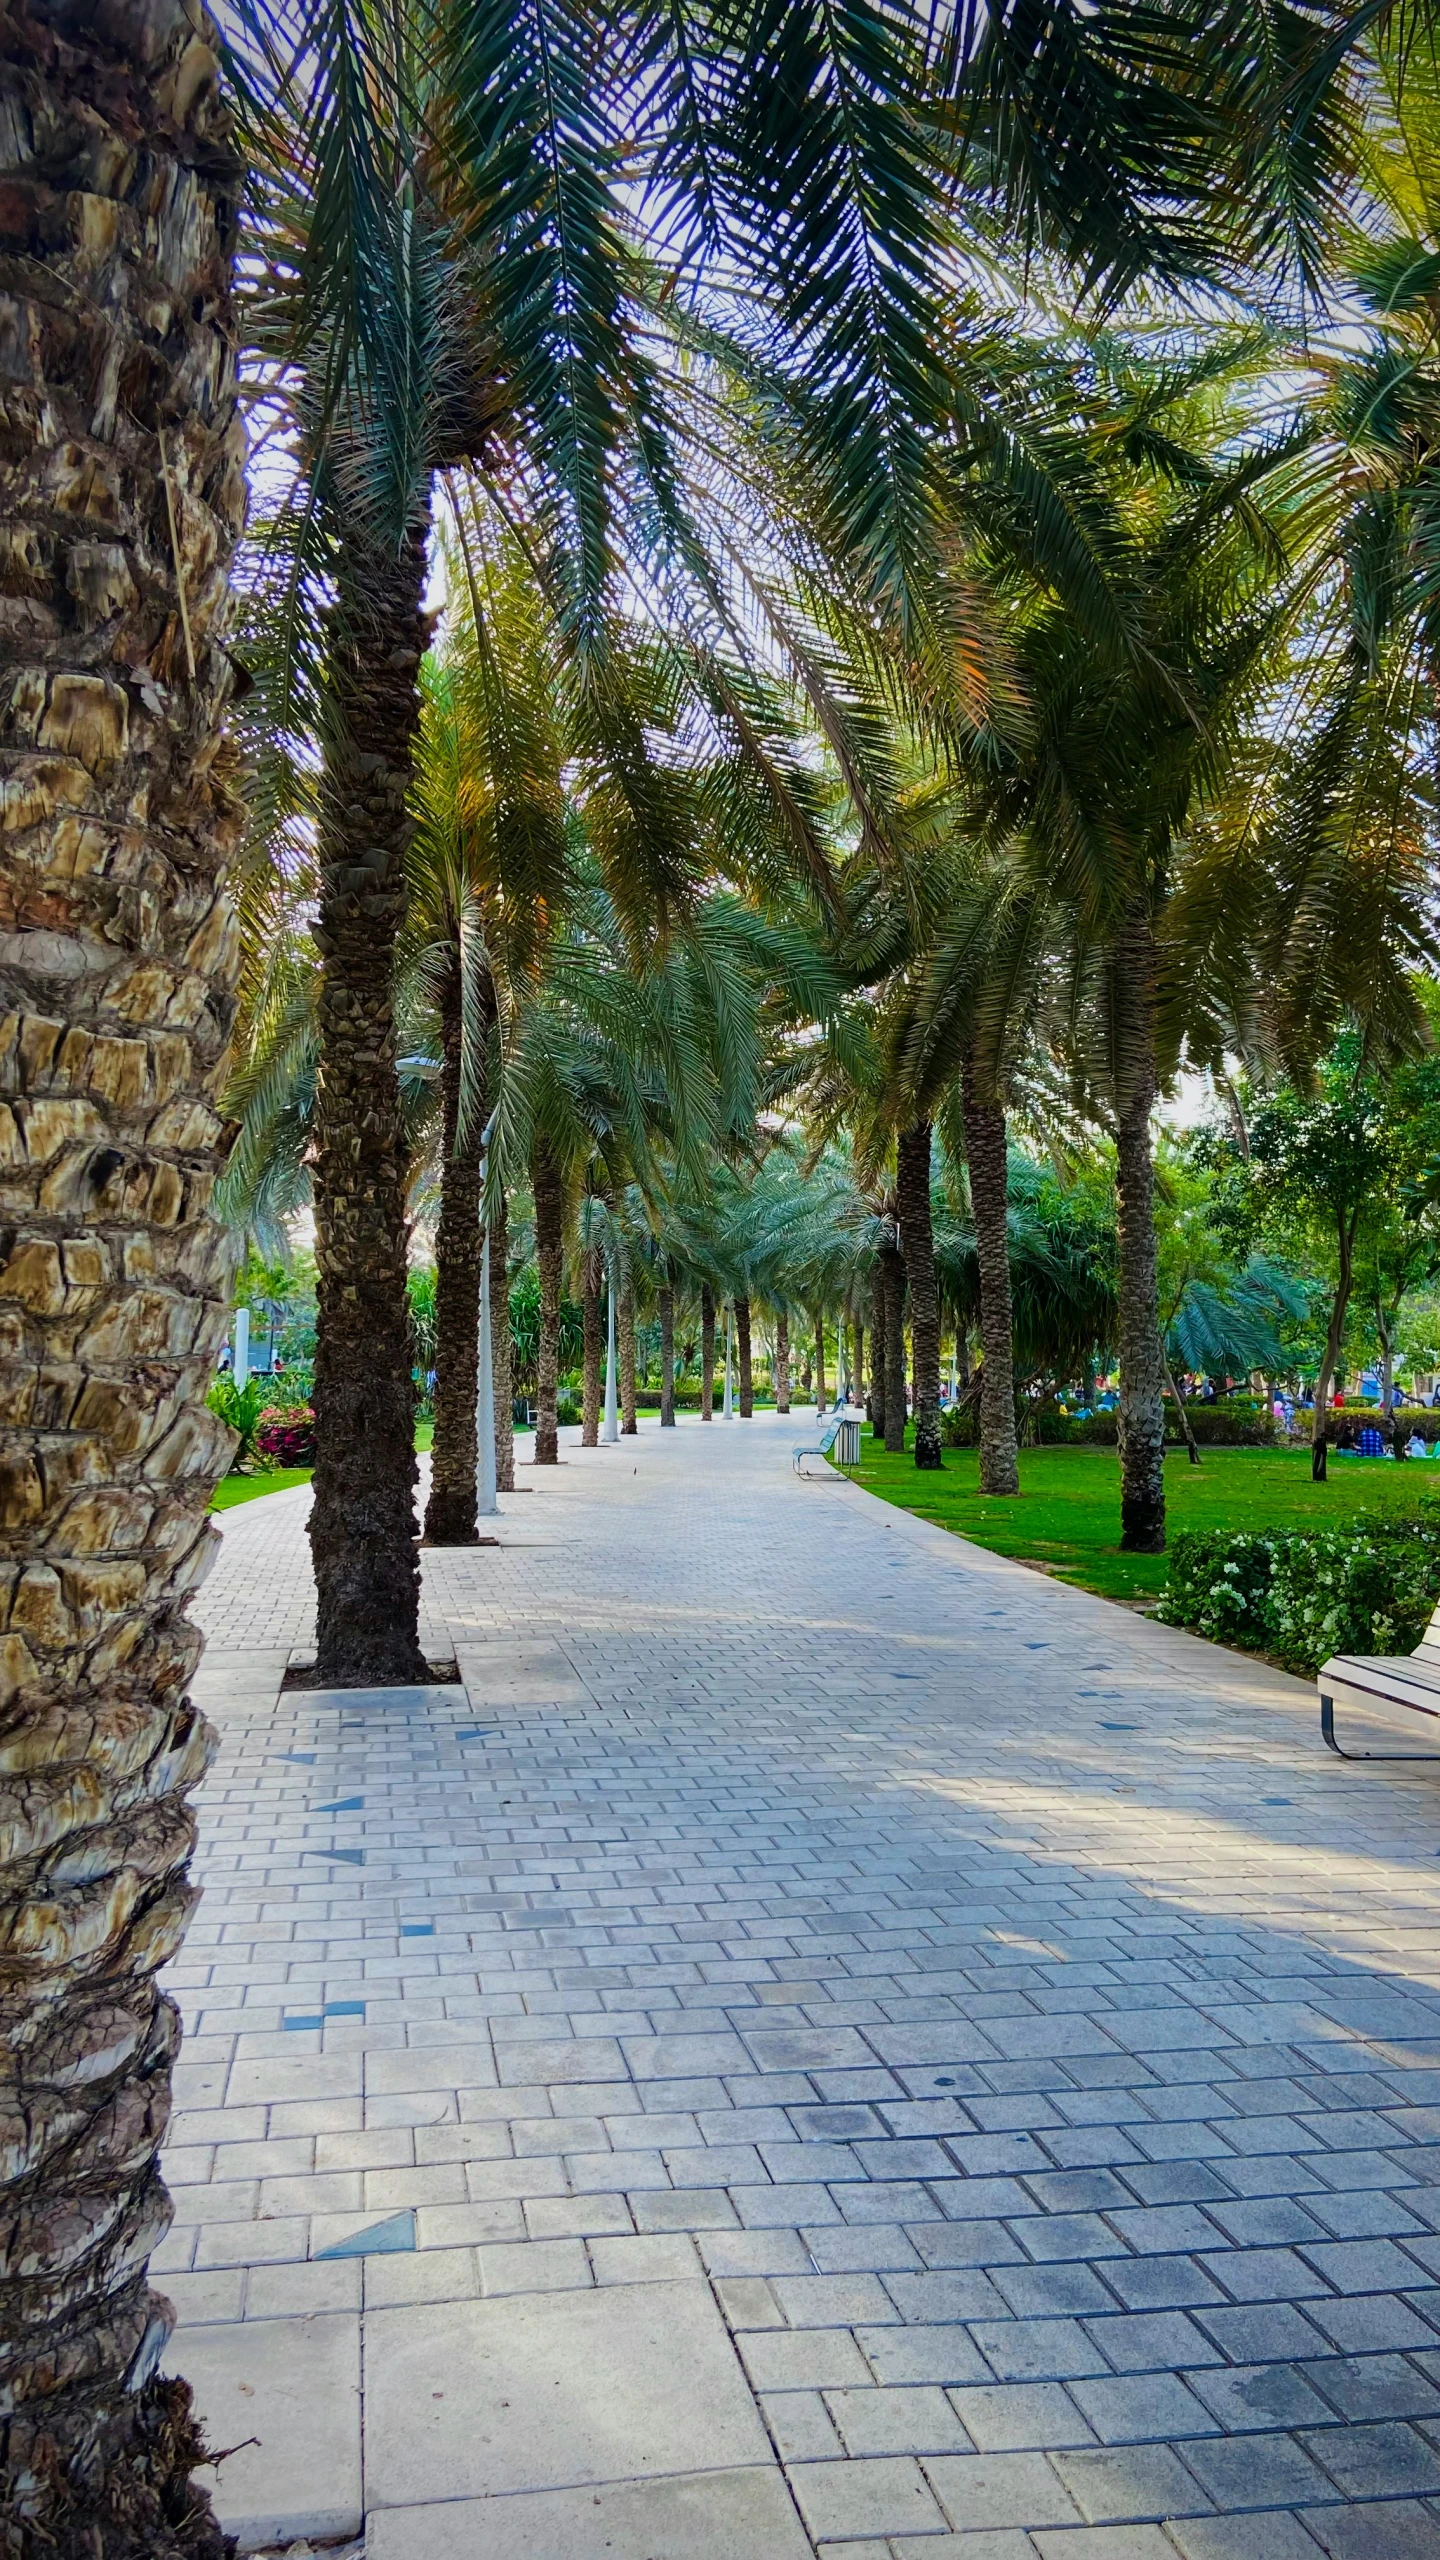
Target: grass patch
<point x="1067" y="1514"/>
<point x="233" y="1489"/>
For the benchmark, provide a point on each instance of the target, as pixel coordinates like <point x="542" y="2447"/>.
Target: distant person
<point x="1415" y="1446"/>
<point x="1345" y="1439"/>
<point x="1371" y="1443"/>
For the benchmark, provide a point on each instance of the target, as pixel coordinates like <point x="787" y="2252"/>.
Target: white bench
<point x="822" y="1447"/>
<point x="1409" y="1680"/>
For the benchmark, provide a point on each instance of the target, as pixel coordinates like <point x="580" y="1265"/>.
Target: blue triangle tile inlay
<point x="305" y="1759"/>
<point x="342" y="1804"/>
<point x="380" y="2241"/>
<point x="349" y="1857"/>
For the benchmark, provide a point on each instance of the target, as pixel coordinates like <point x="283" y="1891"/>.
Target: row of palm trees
<point x="926" y="701"/>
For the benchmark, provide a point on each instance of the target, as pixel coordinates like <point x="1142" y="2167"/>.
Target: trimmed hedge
<point x="1216" y="1426"/>
<point x="1303" y="1596"/>
<point x="285" y="1436"/>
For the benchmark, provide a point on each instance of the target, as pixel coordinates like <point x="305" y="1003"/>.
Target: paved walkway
<point x="831" y="2041"/>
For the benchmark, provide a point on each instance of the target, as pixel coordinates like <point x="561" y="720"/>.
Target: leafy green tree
<point x="1340" y="1173"/>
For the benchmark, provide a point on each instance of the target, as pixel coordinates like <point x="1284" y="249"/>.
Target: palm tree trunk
<point x="501" y="1364"/>
<point x="747" y="1374"/>
<point x="893" y="1268"/>
<point x="549" y="1245"/>
<point x="707" y="1354"/>
<point x="590" y="1277"/>
<point x="450" y="1511"/>
<point x="1142" y="1400"/>
<point x="821" y="1399"/>
<point x="667" y="1359"/>
<point x="987" y="1162"/>
<point x="877" y="1346"/>
<point x="121" y="954"/>
<point x="362" y="1515"/>
<point x="913" y="1199"/>
<point x="782" y="1361"/>
<point x="625" y="1328"/>
<point x="858" y="1390"/>
<point x="1346" y="1231"/>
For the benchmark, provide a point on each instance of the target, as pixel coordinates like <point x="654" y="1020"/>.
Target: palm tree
<point x="111" y="1267"/>
<point x="487" y="872"/>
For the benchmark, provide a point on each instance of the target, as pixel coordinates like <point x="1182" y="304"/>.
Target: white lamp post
<point x="486" y="1499"/>
<point x="611" y="1432"/>
<point x="728" y="1411"/>
<point x="242" y="1345"/>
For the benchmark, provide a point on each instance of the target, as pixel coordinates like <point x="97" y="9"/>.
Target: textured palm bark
<point x="625" y="1349"/>
<point x="893" y="1274"/>
<point x="1142" y="1397"/>
<point x="782" y="1362"/>
<point x="707" y="1354"/>
<point x="877" y="1347"/>
<point x="667" y="1359"/>
<point x="362" y="1514"/>
<point x="450" y="1511"/>
<point x="744" y="1357"/>
<point x="549" y="1247"/>
<point x="502" y="1366"/>
<point x="122" y="493"/>
<point x="913" y="1202"/>
<point x="987" y="1157"/>
<point x="591" y="1274"/>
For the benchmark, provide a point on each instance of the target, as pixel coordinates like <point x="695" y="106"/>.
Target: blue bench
<point x="822" y="1447"/>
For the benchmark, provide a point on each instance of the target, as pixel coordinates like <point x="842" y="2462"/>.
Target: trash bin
<point x="847" y="1445"/>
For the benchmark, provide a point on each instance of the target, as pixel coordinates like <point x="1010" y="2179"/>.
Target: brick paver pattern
<point x="1028" y="2030"/>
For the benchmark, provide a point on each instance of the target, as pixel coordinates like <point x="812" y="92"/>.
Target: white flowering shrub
<point x="1303" y="1596"/>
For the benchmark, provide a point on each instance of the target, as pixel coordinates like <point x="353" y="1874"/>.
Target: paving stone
<point x="897" y="2419"/>
<point x="1384" y="2461"/>
<point x="993" y="2489"/>
<point x="1255" y="2471"/>
<point x="746" y="2514"/>
<point x="1253" y="2537"/>
<point x="1374" y="2387"/>
<point x="294" y="2386"/>
<point x="883" y="2496"/>
<point x="1021" y="2415"/>
<point x="1130" y="2483"/>
<point x="1401" y="2531"/>
<point x="1133" y="2408"/>
<point x="482" y="2398"/>
<point x="1150" y="2341"/>
<point x="1105" y="2542"/>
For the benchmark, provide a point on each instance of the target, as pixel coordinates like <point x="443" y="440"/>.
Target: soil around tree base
<point x="438" y="1675"/>
<point x="146" y="2506"/>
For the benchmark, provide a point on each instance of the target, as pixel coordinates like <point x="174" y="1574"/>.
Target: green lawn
<point x="233" y="1489"/>
<point x="1067" y="1514"/>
